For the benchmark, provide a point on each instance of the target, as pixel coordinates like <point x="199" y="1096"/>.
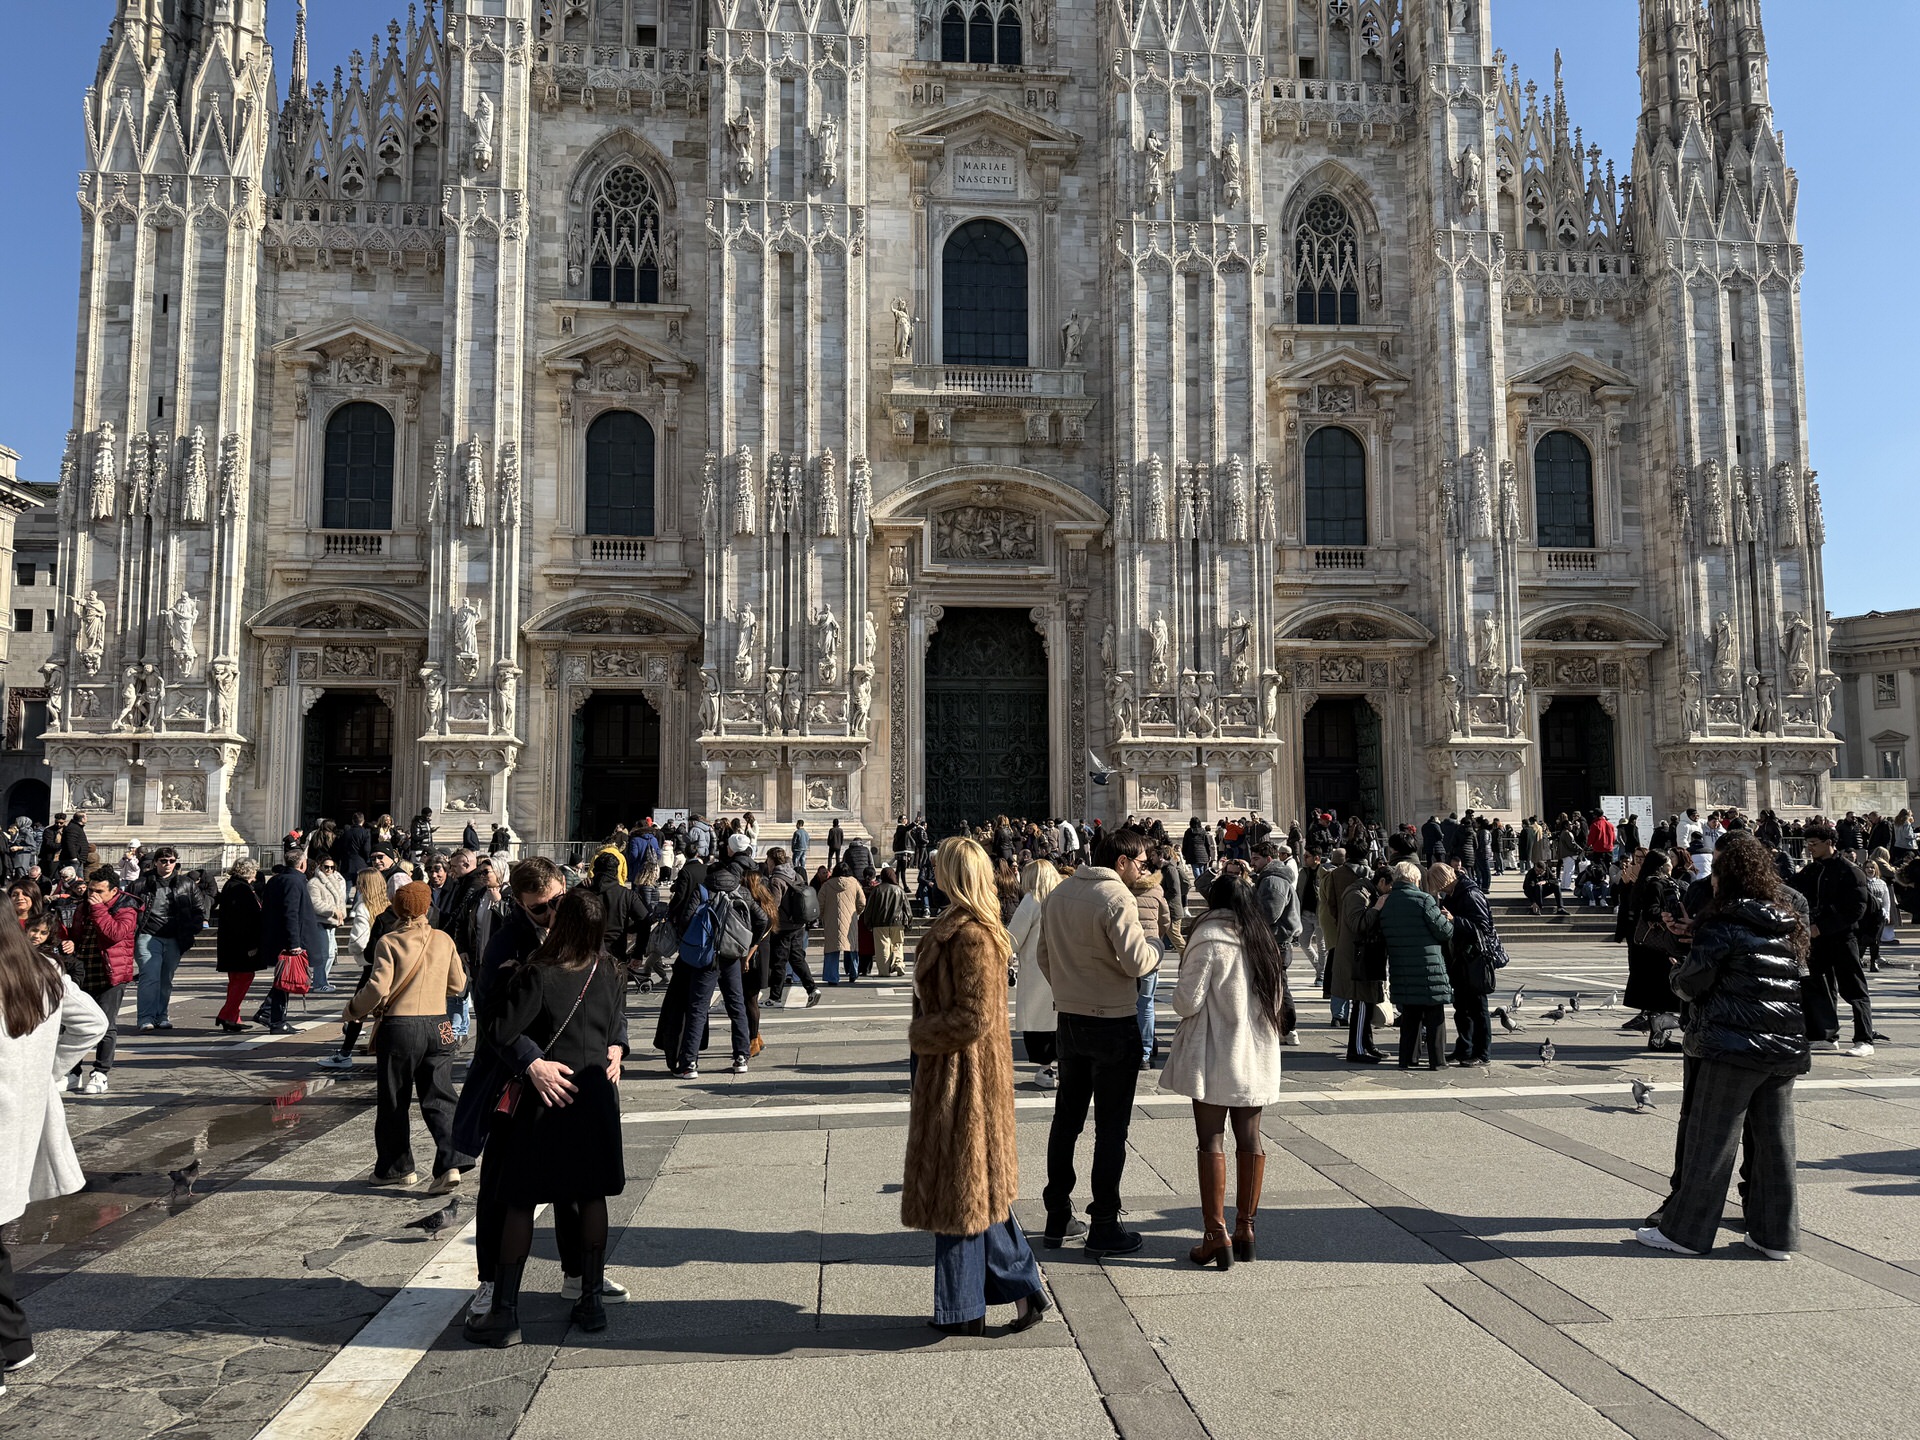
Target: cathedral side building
<point x="840" y="409"/>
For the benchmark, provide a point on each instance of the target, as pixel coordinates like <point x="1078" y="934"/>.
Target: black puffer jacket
<point x="1744" y="985"/>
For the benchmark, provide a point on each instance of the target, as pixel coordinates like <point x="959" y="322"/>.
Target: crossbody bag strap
<point x="547" y="1049"/>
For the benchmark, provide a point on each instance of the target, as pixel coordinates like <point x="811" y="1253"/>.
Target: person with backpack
<point x="798" y="909"/>
<point x="719" y="927"/>
<point x="1840" y="905"/>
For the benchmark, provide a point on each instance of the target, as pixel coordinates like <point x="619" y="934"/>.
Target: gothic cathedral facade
<point x="850" y="408"/>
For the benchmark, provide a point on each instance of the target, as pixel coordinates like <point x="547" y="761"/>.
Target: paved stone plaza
<point x="1445" y="1255"/>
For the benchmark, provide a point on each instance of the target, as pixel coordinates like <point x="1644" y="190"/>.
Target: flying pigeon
<point x="183" y="1178"/>
<point x="1558" y="1012"/>
<point x="1518" y="997"/>
<point x="1546" y="1052"/>
<point x="434" y="1221"/>
<point x="1574" y="1003"/>
<point x="1641" y="1090"/>
<point x="1097" y="769"/>
<point x="1506" y="1021"/>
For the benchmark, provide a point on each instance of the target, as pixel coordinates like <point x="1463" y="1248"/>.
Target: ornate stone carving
<point x="1479" y="494"/>
<point x="1121" y="714"/>
<point x="1726" y="791"/>
<point x="1797" y="646"/>
<point x="472" y="706"/>
<point x="1591" y="631"/>
<point x="183" y="794"/>
<point x="348" y="660"/>
<point x="987" y="532"/>
<point x="466" y="793"/>
<point x="105" y="473"/>
<point x="1240" y="650"/>
<point x="826" y="505"/>
<point x="747" y="626"/>
<point x="740" y="792"/>
<point x="616" y="664"/>
<point x="93" y="793"/>
<point x="1715" y="500"/>
<point x="1487" y="792"/>
<point x="90" y="636"/>
<point x="824" y="793"/>
<point x="1786" y="507"/>
<point x="1156" y="483"/>
<point x="510" y="483"/>
<point x="826" y="646"/>
<point x="437" y="481"/>
<point x="1159" y="793"/>
<point x="1159" y="652"/>
<point x="193" y="479"/>
<point x="744" y="508"/>
<point x="233" y="475"/>
<point x="434" y="697"/>
<point x="1726" y="658"/>
<point x="1450" y="704"/>
<point x="473" y="485"/>
<point x="466" y="637"/>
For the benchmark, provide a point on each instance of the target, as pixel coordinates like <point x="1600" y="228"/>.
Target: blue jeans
<point x="156" y="958"/>
<point x="831" y="965"/>
<point x="323" y="962"/>
<point x="1143" y="1011"/>
<point x="971" y="1272"/>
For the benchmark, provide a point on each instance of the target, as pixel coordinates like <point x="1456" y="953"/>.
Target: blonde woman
<point x="1033" y="996"/>
<point x="962" y="1165"/>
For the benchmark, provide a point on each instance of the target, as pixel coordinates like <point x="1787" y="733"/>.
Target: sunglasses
<point x="541" y="907"/>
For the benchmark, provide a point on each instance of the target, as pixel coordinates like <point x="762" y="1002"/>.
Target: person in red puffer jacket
<point x="96" y="946"/>
<point x="1601" y="838"/>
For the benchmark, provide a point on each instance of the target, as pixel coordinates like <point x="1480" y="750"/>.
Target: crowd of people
<point x="1741" y="939"/>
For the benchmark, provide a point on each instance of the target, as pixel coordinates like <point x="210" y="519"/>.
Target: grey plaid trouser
<point x="1723" y="1101"/>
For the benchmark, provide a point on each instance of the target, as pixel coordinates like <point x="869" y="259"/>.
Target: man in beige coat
<point x="1094" y="954"/>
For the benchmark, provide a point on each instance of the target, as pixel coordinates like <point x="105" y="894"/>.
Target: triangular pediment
<point x="1346" y="364"/>
<point x="980" y="118"/>
<point x="617" y="348"/>
<point x="1573" y="369"/>
<point x="331" y="342"/>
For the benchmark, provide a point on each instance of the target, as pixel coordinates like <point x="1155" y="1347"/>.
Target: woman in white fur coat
<point x="46" y="1024"/>
<point x="1226" y="1054"/>
<point x="1033" y="1014"/>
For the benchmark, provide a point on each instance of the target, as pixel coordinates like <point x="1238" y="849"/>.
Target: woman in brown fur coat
<point x="962" y="1168"/>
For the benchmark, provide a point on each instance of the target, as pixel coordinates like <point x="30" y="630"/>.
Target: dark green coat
<point x="1417" y="932"/>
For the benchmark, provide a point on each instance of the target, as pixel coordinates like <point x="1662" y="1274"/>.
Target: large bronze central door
<point x="348" y="760"/>
<point x="986" y="736"/>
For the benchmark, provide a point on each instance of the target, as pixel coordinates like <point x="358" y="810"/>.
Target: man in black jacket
<point x="1196" y="846"/>
<point x="73" y="843"/>
<point x="1837" y="901"/>
<point x="169" y="924"/>
<point x="626" y="911"/>
<point x="288" y="921"/>
<point x="353" y="850"/>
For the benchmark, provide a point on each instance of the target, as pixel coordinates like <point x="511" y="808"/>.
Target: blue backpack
<point x="699" y="939"/>
<point x="718" y="931"/>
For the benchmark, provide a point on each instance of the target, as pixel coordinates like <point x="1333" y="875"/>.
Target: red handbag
<point x="292" y="974"/>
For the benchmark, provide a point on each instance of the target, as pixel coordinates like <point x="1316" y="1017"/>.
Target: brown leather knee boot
<point x="1250" y="1173"/>
<point x="1214" y="1247"/>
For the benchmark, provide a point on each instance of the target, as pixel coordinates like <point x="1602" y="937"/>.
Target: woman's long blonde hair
<point x="374" y="894"/>
<point x="965" y="876"/>
<point x="1039" y="880"/>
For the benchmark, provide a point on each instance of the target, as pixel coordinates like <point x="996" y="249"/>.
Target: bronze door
<point x="987" y="749"/>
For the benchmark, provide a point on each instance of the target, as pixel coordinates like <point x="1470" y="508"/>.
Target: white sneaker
<point x="482" y="1301"/>
<point x="1753" y="1244"/>
<point x="612" y="1292"/>
<point x="96" y="1084"/>
<point x="336" y="1061"/>
<point x="1047" y="1078"/>
<point x="1858" y="1051"/>
<point x="1650" y="1236"/>
<point x="1829" y="1046"/>
<point x="1292" y="1037"/>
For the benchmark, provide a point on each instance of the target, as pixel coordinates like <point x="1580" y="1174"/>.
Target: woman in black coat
<point x="1656" y="896"/>
<point x="1746" y="1045"/>
<point x="237" y="953"/>
<point x="567" y="998"/>
<point x="672" y="1021"/>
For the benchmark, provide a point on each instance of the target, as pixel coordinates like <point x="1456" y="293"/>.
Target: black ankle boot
<point x="500" y="1326"/>
<point x="590" y="1311"/>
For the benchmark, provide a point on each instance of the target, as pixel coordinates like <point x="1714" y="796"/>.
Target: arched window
<point x="620" y="475"/>
<point x="357" y="486"/>
<point x="1326" y="263"/>
<point x="1563" y="492"/>
<point x="1336" y="488"/>
<point x="623" y="238"/>
<point x="969" y="35"/>
<point x="984" y="295"/>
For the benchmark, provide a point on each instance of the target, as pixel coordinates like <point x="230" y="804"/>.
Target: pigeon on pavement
<point x="183" y="1177"/>
<point x="1558" y="1012"/>
<point x="1546" y="1052"/>
<point x="1506" y="1020"/>
<point x="1641" y="1090"/>
<point x="434" y="1221"/>
<point x="1574" y="1003"/>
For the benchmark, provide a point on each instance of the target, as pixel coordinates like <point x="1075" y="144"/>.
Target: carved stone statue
<point x="132" y="714"/>
<point x="710" y="491"/>
<point x="1797" y="644"/>
<point x="69" y="470"/>
<point x="1682" y="509"/>
<point x="55" y="674"/>
<point x="1460" y="14"/>
<point x="1263" y="502"/>
<point x="709" y="702"/>
<point x="743" y="506"/>
<point x="742" y="135"/>
<point x="826" y="152"/>
<point x="1270" y="703"/>
<point x="860" y="495"/>
<point x="1450" y="703"/>
<point x="1159" y="652"/>
<point x="1509" y="502"/>
<point x="193" y="479"/>
<point x="1480" y="500"/>
<point x="743" y="666"/>
<point x="826" y="631"/>
<point x="1120" y="707"/>
<point x="1516" y="703"/>
<point x="178" y="621"/>
<point x="138" y="489"/>
<point x="474" y="486"/>
<point x="483" y="134"/>
<point x="790" y="702"/>
<point x="1106" y="648"/>
<point x="225" y="675"/>
<point x="1236" y="499"/>
<point x="1155" y="152"/>
<point x="1695" y="706"/>
<point x="90" y="638"/>
<point x="1786" y="507"/>
<point x="1231" y="170"/>
<point x="1156" y="501"/>
<point x="510" y="483"/>
<point x="826" y="518"/>
<point x="466" y="636"/>
<point x="1816" y="515"/>
<point x="1470" y="174"/>
<point x="1073" y="337"/>
<point x="1726" y="668"/>
<point x="576" y="255"/>
<point x="1487" y="643"/>
<point x="1716" y="502"/>
<point x="862" y="700"/>
<point x="434" y="692"/>
<point x="1240" y="650"/>
<point x="1766" y="708"/>
<point x="105" y="474"/>
<point x="903" y="323"/>
<point x="506" y="686"/>
<point x="233" y="475"/>
<point x="869" y="639"/>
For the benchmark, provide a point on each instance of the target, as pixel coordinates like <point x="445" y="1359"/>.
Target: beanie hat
<point x="413" y="901"/>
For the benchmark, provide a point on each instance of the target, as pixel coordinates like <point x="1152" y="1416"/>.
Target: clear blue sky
<point x="1858" y="211"/>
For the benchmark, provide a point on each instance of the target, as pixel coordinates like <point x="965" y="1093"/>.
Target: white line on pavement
<point x="1301" y="1097"/>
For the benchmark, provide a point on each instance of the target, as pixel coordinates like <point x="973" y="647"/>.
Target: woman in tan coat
<point x="842" y="899"/>
<point x="411" y="974"/>
<point x="962" y="1166"/>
